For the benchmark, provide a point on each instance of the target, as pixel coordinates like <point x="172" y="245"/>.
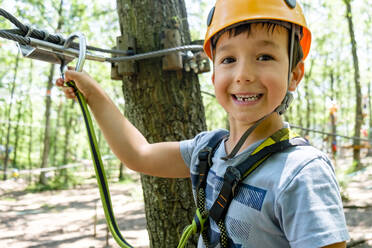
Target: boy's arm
<point x="128" y="144"/>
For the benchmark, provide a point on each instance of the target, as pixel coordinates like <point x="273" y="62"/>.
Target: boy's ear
<point x="213" y="78"/>
<point x="297" y="75"/>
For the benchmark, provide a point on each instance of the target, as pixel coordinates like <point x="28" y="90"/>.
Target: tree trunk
<point x="121" y="172"/>
<point x="164" y="106"/>
<point x="48" y="103"/>
<point x="30" y="129"/>
<point x="68" y="119"/>
<point x="332" y="116"/>
<point x="307" y="97"/>
<point x="7" y="143"/>
<point x="369" y="99"/>
<point x="30" y="134"/>
<point x="369" y="153"/>
<point x="358" y="93"/>
<point x="299" y="112"/>
<point x="55" y="139"/>
<point x="17" y="131"/>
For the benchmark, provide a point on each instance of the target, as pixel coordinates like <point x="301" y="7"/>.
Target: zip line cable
<point x="26" y="35"/>
<point x="330" y="134"/>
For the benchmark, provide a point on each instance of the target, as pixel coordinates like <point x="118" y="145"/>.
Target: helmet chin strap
<point x="281" y="109"/>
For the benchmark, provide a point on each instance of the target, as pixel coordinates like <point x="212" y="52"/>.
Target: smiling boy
<point x="292" y="198"/>
<point x="251" y="78"/>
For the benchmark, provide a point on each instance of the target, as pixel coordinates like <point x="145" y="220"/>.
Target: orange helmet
<point x="230" y="12"/>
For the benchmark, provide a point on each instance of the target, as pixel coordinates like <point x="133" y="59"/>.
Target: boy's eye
<point x="228" y="60"/>
<point x="265" y="57"/>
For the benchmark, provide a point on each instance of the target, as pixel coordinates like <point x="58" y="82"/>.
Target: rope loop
<point x="199" y="221"/>
<point x="30" y="29"/>
<point x="60" y="38"/>
<point x="45" y="34"/>
<point x="197" y="226"/>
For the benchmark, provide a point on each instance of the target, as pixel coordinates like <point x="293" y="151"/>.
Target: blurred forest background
<point x="39" y="128"/>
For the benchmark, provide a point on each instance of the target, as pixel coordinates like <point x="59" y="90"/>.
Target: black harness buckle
<point x="228" y="191"/>
<point x="205" y="162"/>
<point x="232" y="177"/>
<point x="205" y="154"/>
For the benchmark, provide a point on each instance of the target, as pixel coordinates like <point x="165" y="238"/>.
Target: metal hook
<point x="82" y="49"/>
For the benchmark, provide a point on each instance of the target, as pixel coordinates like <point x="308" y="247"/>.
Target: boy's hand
<point x="83" y="82"/>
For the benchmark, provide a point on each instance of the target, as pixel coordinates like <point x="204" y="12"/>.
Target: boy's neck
<point x="265" y="129"/>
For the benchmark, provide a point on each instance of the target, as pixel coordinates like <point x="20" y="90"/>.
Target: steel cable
<point x="19" y="35"/>
<point x="15" y="37"/>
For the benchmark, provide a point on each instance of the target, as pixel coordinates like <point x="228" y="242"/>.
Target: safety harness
<point x="234" y="175"/>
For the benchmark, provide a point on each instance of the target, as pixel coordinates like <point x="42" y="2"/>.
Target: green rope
<point x="192" y="229"/>
<point x="100" y="172"/>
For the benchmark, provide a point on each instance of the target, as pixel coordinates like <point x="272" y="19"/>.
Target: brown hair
<point x="246" y="27"/>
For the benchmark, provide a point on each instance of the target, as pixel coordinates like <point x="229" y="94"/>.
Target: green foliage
<point x="92" y="19"/>
<point x="329" y="75"/>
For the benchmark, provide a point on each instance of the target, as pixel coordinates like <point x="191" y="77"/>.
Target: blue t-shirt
<point x="290" y="200"/>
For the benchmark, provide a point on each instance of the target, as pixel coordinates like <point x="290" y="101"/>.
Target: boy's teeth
<point x="247" y="98"/>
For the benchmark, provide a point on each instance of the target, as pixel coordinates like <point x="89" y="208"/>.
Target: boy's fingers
<point x="72" y="68"/>
<point x="59" y="82"/>
<point x="69" y="92"/>
<point x="72" y="75"/>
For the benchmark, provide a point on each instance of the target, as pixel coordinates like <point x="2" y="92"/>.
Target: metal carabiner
<point x="82" y="51"/>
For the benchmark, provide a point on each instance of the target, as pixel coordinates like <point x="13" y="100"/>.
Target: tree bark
<point x="164" y="106"/>
<point x="358" y="93"/>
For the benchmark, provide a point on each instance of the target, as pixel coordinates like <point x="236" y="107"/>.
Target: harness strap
<point x="235" y="174"/>
<point x="277" y="142"/>
<point x="205" y="157"/>
<point x="228" y="190"/>
<point x="199" y="223"/>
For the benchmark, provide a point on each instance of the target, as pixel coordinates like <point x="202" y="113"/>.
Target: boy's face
<point x="251" y="72"/>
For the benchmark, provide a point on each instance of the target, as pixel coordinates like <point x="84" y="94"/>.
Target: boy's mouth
<point x="247" y="98"/>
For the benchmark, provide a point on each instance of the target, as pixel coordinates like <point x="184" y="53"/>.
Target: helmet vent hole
<point x="291" y="3"/>
<point x="210" y="16"/>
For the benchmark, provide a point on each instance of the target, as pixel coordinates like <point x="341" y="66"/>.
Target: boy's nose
<point x="244" y="74"/>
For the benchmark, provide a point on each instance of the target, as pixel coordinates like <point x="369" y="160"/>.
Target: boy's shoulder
<point x="202" y="139"/>
<point x="302" y="164"/>
<point x="304" y="154"/>
<point x="190" y="148"/>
